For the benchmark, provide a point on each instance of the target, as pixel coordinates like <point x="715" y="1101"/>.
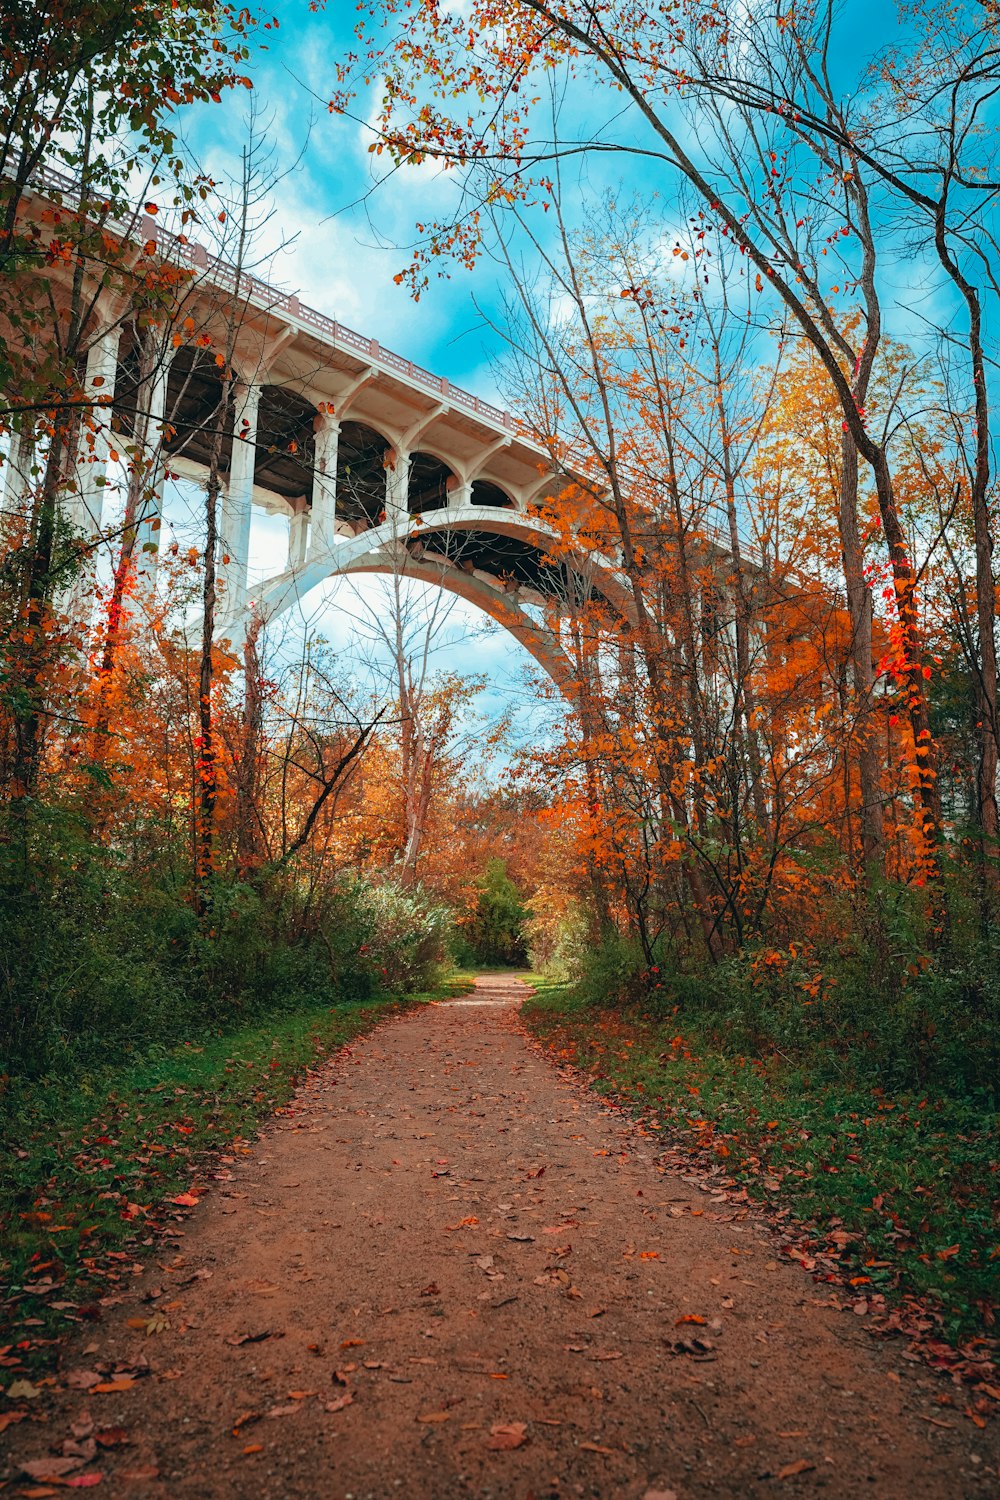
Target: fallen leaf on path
<point x="236" y="1339"/>
<point x="111" y="1437"/>
<point x="608" y="1354"/>
<point x="204" y="1274"/>
<point x="50" y="1468"/>
<point x="111" y="1387"/>
<point x="245" y="1420"/>
<point x="690" y="1318"/>
<point x="148" y="1471"/>
<point x="23" y="1390"/>
<point x="696" y="1347"/>
<point x="504" y="1435"/>
<point x="352" y="1343"/>
<point x="185" y="1200"/>
<point x="301" y="1395"/>
<point x="597" y="1312"/>
<point x="83" y="1481"/>
<point x="598" y="1448"/>
<point x="253" y="1448"/>
<point x="433" y="1290"/>
<point x="10" y="1417"/>
<point x="434" y="1416"/>
<point x="462" y="1224"/>
<point x="338" y="1405"/>
<point x="522" y="1239"/>
<point x="85" y="1451"/>
<point x="800" y="1466"/>
<point x="283" y="1411"/>
<point x="649" y="1254"/>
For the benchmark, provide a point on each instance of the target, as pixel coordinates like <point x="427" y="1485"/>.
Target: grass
<point x="87" y="1184"/>
<point x="903" y="1188"/>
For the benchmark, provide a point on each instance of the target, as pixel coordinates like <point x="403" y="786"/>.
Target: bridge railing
<point x="269" y="298"/>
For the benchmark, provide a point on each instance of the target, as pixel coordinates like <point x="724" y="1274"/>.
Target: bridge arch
<point x="508" y="562"/>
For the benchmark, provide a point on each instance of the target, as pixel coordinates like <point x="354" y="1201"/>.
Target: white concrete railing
<point x="270" y="299"/>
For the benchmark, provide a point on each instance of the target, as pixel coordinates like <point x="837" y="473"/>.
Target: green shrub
<point x="407" y="936"/>
<point x="97" y="965"/>
<point x="875" y="1010"/>
<point x="497" y="929"/>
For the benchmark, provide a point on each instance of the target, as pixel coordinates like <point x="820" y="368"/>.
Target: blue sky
<point x="347" y="238"/>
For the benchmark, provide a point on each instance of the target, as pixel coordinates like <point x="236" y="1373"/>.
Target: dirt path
<point x="474" y="1243"/>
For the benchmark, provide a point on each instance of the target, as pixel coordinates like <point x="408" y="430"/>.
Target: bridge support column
<point x="94" y="448"/>
<point x="17" y="473"/>
<point x="298" y="532"/>
<point x="324" y="492"/>
<point x="397" y="489"/>
<point x="238" y="501"/>
<point x="147" y="540"/>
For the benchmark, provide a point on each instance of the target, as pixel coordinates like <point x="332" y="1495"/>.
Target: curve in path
<point x="473" y="1279"/>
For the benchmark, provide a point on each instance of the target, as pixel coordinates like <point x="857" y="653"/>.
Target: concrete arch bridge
<point x="378" y="465"/>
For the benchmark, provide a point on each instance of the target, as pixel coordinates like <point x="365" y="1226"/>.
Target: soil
<point x="475" y="1280"/>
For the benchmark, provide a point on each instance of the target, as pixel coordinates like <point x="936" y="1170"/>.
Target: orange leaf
<point x="507" y="1435"/>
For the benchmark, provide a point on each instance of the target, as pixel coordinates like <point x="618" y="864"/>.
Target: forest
<point x="739" y="282"/>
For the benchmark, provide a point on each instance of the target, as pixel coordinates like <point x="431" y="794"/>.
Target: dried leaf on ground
<point x="505" y="1435"/>
<point x="800" y="1466"/>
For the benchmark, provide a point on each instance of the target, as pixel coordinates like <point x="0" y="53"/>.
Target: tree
<point x="496" y="928"/>
<point x="789" y="188"/>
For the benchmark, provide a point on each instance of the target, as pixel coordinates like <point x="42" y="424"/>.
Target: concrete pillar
<point x="397" y="488"/>
<point x="460" y="496"/>
<point x="324" y="492"/>
<point x="147" y="540"/>
<point x="298" y="532"/>
<point x="17" y="473"/>
<point x="94" y="449"/>
<point x="237" y="503"/>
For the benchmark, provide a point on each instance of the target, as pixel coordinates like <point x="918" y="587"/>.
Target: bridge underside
<point x="494" y="557"/>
